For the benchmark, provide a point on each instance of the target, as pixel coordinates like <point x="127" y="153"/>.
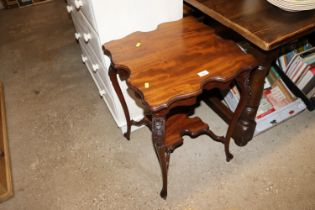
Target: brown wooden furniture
<point x="168" y="68"/>
<point x="6" y="189"/>
<point x="10" y="3"/>
<point x="267" y="28"/>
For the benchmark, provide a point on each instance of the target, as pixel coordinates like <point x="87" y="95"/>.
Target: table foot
<point x="163" y="194"/>
<point x="127" y="135"/>
<point x="244" y="132"/>
<point x="229" y="157"/>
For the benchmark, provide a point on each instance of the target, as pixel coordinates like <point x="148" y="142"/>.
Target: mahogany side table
<point x="168" y="68"/>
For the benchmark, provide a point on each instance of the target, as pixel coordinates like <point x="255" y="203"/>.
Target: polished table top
<point x="258" y="21"/>
<point x="176" y="60"/>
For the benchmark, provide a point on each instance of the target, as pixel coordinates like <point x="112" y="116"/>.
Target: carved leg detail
<point x="243" y="83"/>
<point x="113" y="77"/>
<point x="158" y="135"/>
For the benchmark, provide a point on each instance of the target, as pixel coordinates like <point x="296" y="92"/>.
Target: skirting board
<point x="6" y="188"/>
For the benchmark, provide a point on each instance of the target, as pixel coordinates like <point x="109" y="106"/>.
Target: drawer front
<point x="88" y="35"/>
<point x="85" y="7"/>
<point x="102" y="70"/>
<point x="95" y="68"/>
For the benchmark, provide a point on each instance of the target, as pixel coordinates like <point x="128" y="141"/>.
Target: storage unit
<point x="296" y="68"/>
<point x="97" y="22"/>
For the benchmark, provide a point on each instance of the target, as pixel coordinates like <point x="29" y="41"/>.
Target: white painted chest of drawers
<point x="100" y="21"/>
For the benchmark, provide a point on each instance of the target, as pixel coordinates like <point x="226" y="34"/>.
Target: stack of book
<point x="299" y="66"/>
<point x="277" y="103"/>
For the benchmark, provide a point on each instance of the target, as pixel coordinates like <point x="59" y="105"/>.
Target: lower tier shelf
<point x="179" y="125"/>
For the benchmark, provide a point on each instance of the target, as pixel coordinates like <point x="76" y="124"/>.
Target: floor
<point x="67" y="152"/>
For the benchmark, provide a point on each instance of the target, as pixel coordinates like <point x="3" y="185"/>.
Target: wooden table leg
<point x="158" y="135"/>
<point x="246" y="125"/>
<point x="243" y="84"/>
<point x="113" y="77"/>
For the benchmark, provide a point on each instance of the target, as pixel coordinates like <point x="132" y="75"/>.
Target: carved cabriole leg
<point x="113" y="77"/>
<point x="158" y="135"/>
<point x="243" y="84"/>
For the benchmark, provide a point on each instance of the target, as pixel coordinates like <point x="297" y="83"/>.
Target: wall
<point x="116" y="19"/>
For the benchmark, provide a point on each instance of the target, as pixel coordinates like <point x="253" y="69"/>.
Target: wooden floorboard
<point x="6" y="189"/>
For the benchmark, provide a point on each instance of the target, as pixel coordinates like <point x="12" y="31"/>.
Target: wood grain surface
<point x="165" y="65"/>
<point x="6" y="189"/>
<point x="260" y="22"/>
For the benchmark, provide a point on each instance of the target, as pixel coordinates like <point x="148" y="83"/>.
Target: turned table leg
<point x="243" y="84"/>
<point x="246" y="125"/>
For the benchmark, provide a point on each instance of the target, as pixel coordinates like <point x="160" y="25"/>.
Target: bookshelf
<point x="296" y="67"/>
<point x="309" y="102"/>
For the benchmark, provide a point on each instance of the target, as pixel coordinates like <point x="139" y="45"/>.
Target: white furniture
<point x="100" y="21"/>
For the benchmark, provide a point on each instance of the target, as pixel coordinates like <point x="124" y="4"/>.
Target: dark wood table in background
<point x="266" y="28"/>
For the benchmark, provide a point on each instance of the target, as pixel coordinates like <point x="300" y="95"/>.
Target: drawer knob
<point x="77" y="35"/>
<point x="95" y="67"/>
<point x="69" y="8"/>
<point x="78" y="4"/>
<point x="102" y="93"/>
<point x="84" y="58"/>
<point x="87" y="37"/>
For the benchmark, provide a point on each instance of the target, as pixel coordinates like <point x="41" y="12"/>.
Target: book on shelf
<point x="307" y="83"/>
<point x="265" y="107"/>
<point x="284" y="60"/>
<point x="300" y="68"/>
<point x="299" y="64"/>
